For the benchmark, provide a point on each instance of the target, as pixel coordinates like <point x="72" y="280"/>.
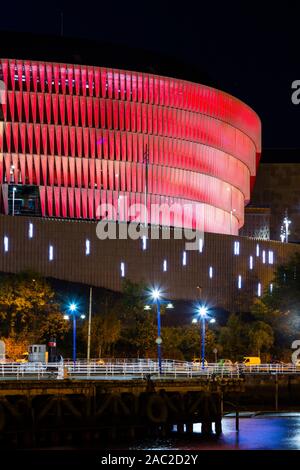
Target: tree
<point x="279" y="308"/>
<point x="28" y="307"/>
<point x="105" y="332"/>
<point x="24" y="298"/>
<point x="139" y="331"/>
<point x="185" y="342"/>
<point x="53" y="325"/>
<point x="172" y="340"/>
<point x="191" y="342"/>
<point x="261" y="337"/>
<point x="144" y="335"/>
<point x="138" y="336"/>
<point x="286" y="286"/>
<point x="263" y="311"/>
<point x="234" y="337"/>
<point x="133" y="299"/>
<point x="15" y="346"/>
<point x="243" y="298"/>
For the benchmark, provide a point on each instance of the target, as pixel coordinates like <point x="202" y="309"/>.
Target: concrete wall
<point x="102" y="266"/>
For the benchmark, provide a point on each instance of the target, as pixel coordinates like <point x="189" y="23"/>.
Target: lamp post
<point x="157" y="300"/>
<point x="202" y="317"/>
<point x="146" y="162"/>
<point x="73" y="309"/>
<point x="13" y="200"/>
<point x="89" y="326"/>
<point x="14" y="189"/>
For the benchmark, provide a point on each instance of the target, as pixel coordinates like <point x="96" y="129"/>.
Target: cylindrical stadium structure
<point x="91" y="137"/>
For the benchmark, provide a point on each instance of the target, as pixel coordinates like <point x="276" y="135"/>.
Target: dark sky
<point x="251" y="49"/>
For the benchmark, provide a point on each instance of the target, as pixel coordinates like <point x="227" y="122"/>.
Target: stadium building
<point x="82" y="143"/>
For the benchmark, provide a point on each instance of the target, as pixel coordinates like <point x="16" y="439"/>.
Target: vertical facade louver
<point x="81" y="135"/>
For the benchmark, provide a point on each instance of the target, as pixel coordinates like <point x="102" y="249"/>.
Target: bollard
<point x="66" y="372"/>
<point x="276" y="392"/>
<point x="237" y="420"/>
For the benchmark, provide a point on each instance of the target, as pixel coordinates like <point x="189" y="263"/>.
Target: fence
<point x="125" y="368"/>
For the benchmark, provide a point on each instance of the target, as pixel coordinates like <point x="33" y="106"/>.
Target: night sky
<point x="248" y="49"/>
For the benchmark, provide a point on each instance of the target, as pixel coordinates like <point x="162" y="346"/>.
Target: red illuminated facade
<point x="79" y="134"/>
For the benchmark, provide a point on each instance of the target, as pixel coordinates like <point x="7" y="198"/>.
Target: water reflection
<point x="271" y="431"/>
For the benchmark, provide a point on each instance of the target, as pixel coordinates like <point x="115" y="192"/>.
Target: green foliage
<point x="133" y="299"/>
<point x="27" y="307"/>
<point x="261" y="337"/>
<point x="53" y="325"/>
<point x="16" y="346"/>
<point x="30" y="312"/>
<point x="280" y="309"/>
<point x="286" y="286"/>
<point x="105" y="332"/>
<point x="188" y="342"/>
<point x="233" y="338"/>
<point x="141" y="335"/>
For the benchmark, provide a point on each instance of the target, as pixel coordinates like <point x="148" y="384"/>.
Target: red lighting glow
<point x="70" y="129"/>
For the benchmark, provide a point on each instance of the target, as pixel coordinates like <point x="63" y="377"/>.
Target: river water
<point x="280" y="431"/>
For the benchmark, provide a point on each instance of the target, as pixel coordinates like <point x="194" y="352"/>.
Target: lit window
<point x="51" y="253"/>
<point x="236" y="248"/>
<point x="251" y="262"/>
<point x="210" y="272"/>
<point x="271" y="257"/>
<point x="122" y="269"/>
<point x="165" y="265"/>
<point x="239" y="281"/>
<point x="184" y="258"/>
<point x="257" y="250"/>
<point x="259" y="289"/>
<point x="264" y="256"/>
<point x="200" y="245"/>
<point x="144" y="242"/>
<point x="271" y="288"/>
<point x="30" y="231"/>
<point x="87" y="247"/>
<point x="5" y="244"/>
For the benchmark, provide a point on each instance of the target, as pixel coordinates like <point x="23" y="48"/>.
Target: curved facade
<point x="231" y="270"/>
<point x="88" y="136"/>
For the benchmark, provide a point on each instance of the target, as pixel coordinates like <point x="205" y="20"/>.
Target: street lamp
<point x="146" y="162"/>
<point x="13" y="200"/>
<point x="73" y="312"/>
<point x="73" y="308"/>
<point x="201" y="317"/>
<point x="156" y="299"/>
<point x="284" y="229"/>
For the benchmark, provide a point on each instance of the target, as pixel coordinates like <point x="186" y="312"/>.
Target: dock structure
<point x="35" y="414"/>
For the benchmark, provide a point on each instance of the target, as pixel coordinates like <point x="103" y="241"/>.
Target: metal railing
<point x="134" y="368"/>
<point x="30" y="370"/>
